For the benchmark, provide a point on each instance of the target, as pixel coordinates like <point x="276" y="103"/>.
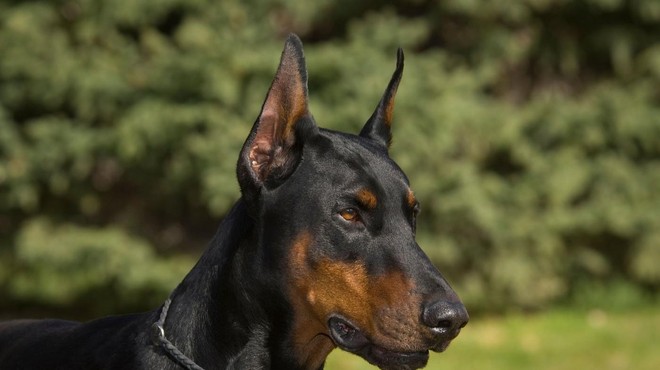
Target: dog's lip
<point x="349" y="338"/>
<point x="386" y="359"/>
<point x="442" y="345"/>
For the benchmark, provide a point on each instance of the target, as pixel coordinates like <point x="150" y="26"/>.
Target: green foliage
<point x="59" y="264"/>
<point x="530" y="131"/>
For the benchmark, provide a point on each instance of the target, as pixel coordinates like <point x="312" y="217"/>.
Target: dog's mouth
<point x="347" y="337"/>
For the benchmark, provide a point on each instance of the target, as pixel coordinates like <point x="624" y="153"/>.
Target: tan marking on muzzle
<point x="384" y="307"/>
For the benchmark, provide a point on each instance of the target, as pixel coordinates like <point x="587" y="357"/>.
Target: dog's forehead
<point x="359" y="161"/>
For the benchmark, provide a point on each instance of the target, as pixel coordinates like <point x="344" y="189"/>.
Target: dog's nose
<point x="445" y="318"/>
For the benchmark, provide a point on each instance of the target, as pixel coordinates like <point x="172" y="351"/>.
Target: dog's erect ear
<point x="378" y="127"/>
<point x="272" y="149"/>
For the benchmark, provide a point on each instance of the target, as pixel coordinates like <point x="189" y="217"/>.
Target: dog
<point x="318" y="253"/>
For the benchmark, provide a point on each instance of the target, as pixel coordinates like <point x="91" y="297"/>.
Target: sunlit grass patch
<point x="560" y="339"/>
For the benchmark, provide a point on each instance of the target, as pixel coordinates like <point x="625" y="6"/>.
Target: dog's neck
<point x="221" y="317"/>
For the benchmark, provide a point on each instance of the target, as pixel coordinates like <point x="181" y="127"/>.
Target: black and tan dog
<point x="318" y="253"/>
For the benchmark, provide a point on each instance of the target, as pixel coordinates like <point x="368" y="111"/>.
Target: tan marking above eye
<point x="367" y="198"/>
<point x="412" y="201"/>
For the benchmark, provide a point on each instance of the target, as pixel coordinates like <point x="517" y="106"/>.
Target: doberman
<point x="318" y="253"/>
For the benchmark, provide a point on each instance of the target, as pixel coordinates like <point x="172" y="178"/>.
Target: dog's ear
<point x="273" y="147"/>
<point x="378" y="127"/>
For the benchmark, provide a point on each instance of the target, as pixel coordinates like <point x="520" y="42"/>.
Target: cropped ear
<point x="271" y="151"/>
<point x="378" y="127"/>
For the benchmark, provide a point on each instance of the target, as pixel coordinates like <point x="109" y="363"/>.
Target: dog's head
<point x="336" y="219"/>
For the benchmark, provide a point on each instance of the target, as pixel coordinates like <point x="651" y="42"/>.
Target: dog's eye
<point x="350" y="214"/>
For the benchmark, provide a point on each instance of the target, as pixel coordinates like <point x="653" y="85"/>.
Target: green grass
<point x="554" y="340"/>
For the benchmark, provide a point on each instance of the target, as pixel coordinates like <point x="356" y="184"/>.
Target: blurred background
<point x="530" y="130"/>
